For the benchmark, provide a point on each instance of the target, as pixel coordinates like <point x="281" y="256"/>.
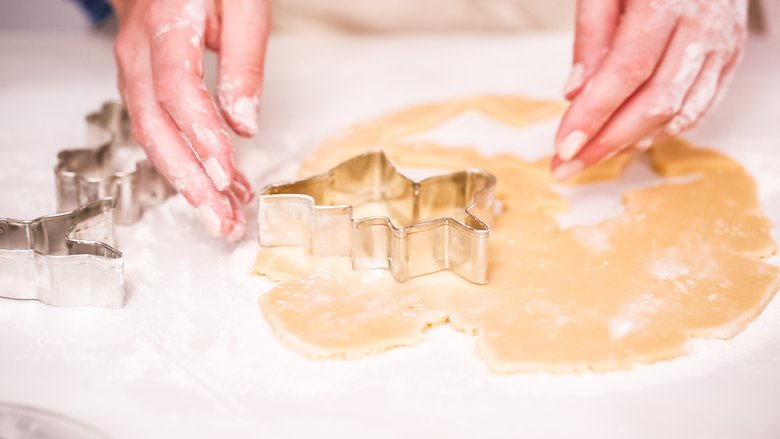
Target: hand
<point x="644" y="68"/>
<point x="159" y="52"/>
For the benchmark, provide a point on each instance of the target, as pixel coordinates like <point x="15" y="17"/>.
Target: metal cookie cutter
<point x="115" y="168"/>
<point x="64" y="259"/>
<point x="68" y="258"/>
<point x="364" y="208"/>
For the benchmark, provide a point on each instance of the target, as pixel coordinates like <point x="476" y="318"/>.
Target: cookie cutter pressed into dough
<point x="65" y="259"/>
<point x="89" y="174"/>
<point x="366" y="209"/>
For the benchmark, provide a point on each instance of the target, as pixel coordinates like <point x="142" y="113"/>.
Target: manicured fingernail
<point x="571" y="145"/>
<point x="210" y="219"/>
<point x="676" y="125"/>
<point x="217" y="173"/>
<point x="237" y="233"/>
<point x="244" y="112"/>
<point x="644" y="144"/>
<point x="575" y="78"/>
<point x="241" y="191"/>
<point x="567" y="170"/>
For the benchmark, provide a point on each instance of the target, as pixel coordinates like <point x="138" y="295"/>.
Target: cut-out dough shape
<point x="683" y="261"/>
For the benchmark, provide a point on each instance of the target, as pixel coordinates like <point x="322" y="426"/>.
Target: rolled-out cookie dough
<point x="683" y="261"/>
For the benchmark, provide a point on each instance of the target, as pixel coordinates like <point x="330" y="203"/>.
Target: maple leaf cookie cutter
<point x="366" y="209"/>
<point x="64" y="259"/>
<point x="115" y="167"/>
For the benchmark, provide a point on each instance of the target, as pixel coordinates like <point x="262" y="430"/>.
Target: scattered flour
<point x="633" y="315"/>
<point x="193" y="16"/>
<point x="595" y="240"/>
<point x="669" y="266"/>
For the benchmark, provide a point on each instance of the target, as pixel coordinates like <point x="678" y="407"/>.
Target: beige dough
<point x="684" y="261"/>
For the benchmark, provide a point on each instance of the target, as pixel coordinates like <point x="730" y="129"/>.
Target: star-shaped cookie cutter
<point x="366" y="209"/>
<point x="65" y="259"/>
<point x="115" y="167"/>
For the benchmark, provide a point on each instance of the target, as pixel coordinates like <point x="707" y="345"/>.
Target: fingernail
<point x="676" y="125"/>
<point x="237" y="233"/>
<point x="210" y="219"/>
<point x="217" y="173"/>
<point x="644" y="144"/>
<point x="575" y="78"/>
<point x="571" y="145"/>
<point x="567" y="170"/>
<point x="244" y="113"/>
<point x="242" y="193"/>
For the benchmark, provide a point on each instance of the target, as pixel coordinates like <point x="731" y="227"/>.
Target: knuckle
<point x="124" y="49"/>
<point x="168" y="86"/>
<point x="634" y="71"/>
<point x="154" y="16"/>
<point x="254" y="71"/>
<point x="138" y="133"/>
<point x="664" y="102"/>
<point x="740" y="35"/>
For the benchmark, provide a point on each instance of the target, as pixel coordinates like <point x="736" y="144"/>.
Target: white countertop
<point x="191" y="355"/>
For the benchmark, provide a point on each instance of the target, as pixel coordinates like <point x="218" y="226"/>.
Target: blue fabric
<point x="98" y="10"/>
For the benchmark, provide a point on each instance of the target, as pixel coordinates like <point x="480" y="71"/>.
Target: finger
<point x="174" y="158"/>
<point x="238" y="219"/>
<point x="120" y="83"/>
<point x="594" y="31"/>
<point x="638" y="46"/>
<point x="245" y="26"/>
<point x="724" y="81"/>
<point x="646" y="142"/>
<point x="700" y="97"/>
<point x="125" y="49"/>
<point x="168" y="150"/>
<point x="660" y="100"/>
<point x="241" y="189"/>
<point x="177" y="58"/>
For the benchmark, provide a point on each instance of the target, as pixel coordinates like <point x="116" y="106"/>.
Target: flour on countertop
<point x="121" y="356"/>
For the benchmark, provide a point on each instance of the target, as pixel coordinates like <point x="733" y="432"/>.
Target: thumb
<point x="245" y="27"/>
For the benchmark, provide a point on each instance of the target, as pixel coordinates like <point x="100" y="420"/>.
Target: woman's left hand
<point x="644" y="68"/>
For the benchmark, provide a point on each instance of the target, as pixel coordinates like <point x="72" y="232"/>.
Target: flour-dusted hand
<point x="159" y="51"/>
<point x="644" y="68"/>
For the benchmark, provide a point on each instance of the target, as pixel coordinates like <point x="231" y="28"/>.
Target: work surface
<point x="191" y="355"/>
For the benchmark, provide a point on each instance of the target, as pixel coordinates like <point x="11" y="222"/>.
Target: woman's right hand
<point x="159" y="53"/>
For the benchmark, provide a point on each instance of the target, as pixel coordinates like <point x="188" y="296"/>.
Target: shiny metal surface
<point x="65" y="259"/>
<point x="116" y="167"/>
<point x="25" y="422"/>
<point x="364" y="208"/>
